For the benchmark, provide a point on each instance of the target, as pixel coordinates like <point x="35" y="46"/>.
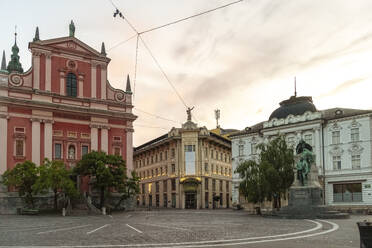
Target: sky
<point x="241" y="59"/>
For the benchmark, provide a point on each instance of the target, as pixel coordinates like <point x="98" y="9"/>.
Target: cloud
<point x="342" y="87"/>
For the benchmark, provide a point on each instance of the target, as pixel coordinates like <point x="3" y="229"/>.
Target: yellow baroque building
<point x="187" y="168"/>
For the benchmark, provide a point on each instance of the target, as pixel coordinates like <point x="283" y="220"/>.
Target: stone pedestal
<point x="303" y="197"/>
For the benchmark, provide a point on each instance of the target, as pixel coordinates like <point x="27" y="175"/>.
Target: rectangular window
<point x="227" y="186"/>
<point x="221" y="199"/>
<point x="354" y="134"/>
<point x="166" y="169"/>
<point x="350" y="192"/>
<point x="206" y="200"/>
<point x="143" y="188"/>
<point x="173" y="153"/>
<point x="206" y="181"/>
<point x="161" y="156"/>
<point x="156" y="172"/>
<point x="337" y="162"/>
<point x="165" y="186"/>
<point x="173" y="184"/>
<point x="214" y="184"/>
<point x="84" y="150"/>
<point x="241" y="150"/>
<point x="355" y="161"/>
<point x="161" y="171"/>
<point x="157" y="187"/>
<point x="173" y="200"/>
<point x="221" y="182"/>
<point x="206" y="152"/>
<point x="57" y="151"/>
<point x="166" y="155"/>
<point x="206" y="168"/>
<point x="308" y="138"/>
<point x="150" y="200"/>
<point x="165" y="200"/>
<point x="19" y="147"/>
<point x="336" y="137"/>
<point x="143" y="200"/>
<point x="173" y="168"/>
<point x="189" y="148"/>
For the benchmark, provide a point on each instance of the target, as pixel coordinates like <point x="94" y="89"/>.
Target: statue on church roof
<point x="72" y="29"/>
<point x="188" y="111"/>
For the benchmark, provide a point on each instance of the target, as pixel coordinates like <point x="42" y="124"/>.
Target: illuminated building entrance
<point x="190" y="200"/>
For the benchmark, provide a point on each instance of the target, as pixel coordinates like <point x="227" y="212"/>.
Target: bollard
<point x="365" y="231"/>
<point x="104" y="210"/>
<point x="63" y="212"/>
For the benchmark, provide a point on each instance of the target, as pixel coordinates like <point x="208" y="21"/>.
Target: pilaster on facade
<point x="36" y="69"/>
<point x="94" y="79"/>
<point x="48" y="139"/>
<point x="3" y="142"/>
<point x="48" y="71"/>
<point x="35" y="140"/>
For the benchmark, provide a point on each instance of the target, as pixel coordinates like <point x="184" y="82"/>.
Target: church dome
<point x="294" y="106"/>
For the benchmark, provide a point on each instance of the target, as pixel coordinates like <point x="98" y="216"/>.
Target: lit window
<point x="71" y="86"/>
<point x="336" y="137"/>
<point x="355" y="161"/>
<point x="57" y="151"/>
<point x="354" y="134"/>
<point x="337" y="162"/>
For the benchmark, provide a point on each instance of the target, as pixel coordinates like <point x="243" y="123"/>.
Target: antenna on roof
<point x="295" y="93"/>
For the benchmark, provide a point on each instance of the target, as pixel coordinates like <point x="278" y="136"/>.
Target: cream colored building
<point x="189" y="167"/>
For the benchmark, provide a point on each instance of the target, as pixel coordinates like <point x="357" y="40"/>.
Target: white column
<point x="103" y="82"/>
<point x="94" y="138"/>
<point x="81" y="86"/>
<point x="3" y="144"/>
<point x="36" y="70"/>
<point x="94" y="81"/>
<point x="62" y="83"/>
<point x="129" y="151"/>
<point x="48" y="72"/>
<point x="318" y="144"/>
<point x="104" y="140"/>
<point x="48" y="136"/>
<point x="36" y="141"/>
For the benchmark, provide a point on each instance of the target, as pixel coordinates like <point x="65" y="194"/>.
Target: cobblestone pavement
<point x="177" y="228"/>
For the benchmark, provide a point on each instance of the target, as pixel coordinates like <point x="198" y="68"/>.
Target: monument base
<point x="307" y="202"/>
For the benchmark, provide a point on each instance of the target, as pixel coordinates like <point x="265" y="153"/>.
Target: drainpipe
<point x="324" y="192"/>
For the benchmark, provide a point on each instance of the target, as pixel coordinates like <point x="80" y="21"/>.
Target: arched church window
<point x="71" y="85"/>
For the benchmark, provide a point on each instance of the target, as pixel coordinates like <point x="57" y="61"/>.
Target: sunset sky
<point x="241" y="59"/>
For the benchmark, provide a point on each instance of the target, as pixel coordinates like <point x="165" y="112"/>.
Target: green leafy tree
<point x="107" y="171"/>
<point x="271" y="175"/>
<point x="129" y="189"/>
<point x="55" y="176"/>
<point x="23" y="176"/>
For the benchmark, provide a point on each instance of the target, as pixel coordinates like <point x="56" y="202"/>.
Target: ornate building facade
<point x="63" y="106"/>
<point x="341" y="140"/>
<point x="189" y="167"/>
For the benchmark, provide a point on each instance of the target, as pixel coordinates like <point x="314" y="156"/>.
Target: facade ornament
<point x="335" y="127"/>
<point x="355" y="149"/>
<point x="37" y="37"/>
<point x="354" y="124"/>
<point x="3" y="62"/>
<point x="128" y="88"/>
<point x="71" y="152"/>
<point x="336" y="151"/>
<point x="72" y="29"/>
<point x="103" y="49"/>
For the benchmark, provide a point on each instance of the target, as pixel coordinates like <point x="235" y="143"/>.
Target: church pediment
<point x="69" y="45"/>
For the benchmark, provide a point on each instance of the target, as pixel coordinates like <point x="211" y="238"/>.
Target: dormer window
<point x="71" y="85"/>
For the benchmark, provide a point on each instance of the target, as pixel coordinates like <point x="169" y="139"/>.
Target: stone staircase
<point x="83" y="206"/>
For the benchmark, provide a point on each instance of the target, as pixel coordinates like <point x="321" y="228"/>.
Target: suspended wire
<point x="162" y="71"/>
<point x="189" y="17"/>
<point x="157" y="116"/>
<point x="122" y="42"/>
<point x="135" y="69"/>
<point x="139" y="125"/>
<point x="117" y="12"/>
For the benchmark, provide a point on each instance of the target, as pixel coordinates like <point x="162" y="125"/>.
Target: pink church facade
<point x="63" y="106"/>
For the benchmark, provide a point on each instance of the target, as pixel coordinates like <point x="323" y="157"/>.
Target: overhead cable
<point x="156" y="116"/>
<point x="162" y="71"/>
<point x="189" y="17"/>
<point x="122" y="42"/>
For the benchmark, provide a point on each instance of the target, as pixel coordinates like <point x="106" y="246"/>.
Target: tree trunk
<point x="55" y="199"/>
<point x="102" y="197"/>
